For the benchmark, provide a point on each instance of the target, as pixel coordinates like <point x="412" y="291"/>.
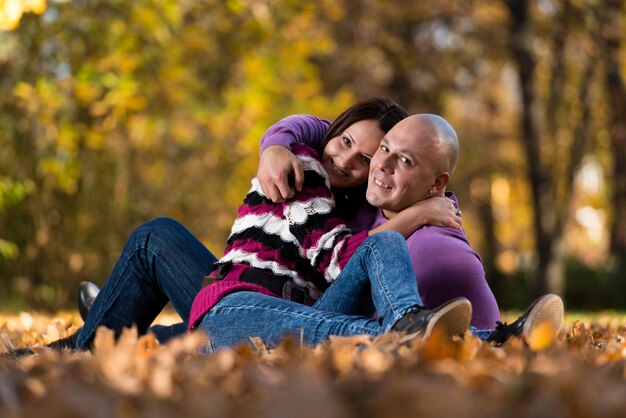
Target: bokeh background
<point x="113" y="112"/>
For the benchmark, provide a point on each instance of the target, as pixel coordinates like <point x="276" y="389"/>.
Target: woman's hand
<point x="276" y="165"/>
<point x="437" y="211"/>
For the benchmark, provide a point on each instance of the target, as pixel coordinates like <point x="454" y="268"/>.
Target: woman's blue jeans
<point x="379" y="277"/>
<point x="161" y="261"/>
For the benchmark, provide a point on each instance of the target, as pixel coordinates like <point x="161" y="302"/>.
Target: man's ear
<point x="441" y="181"/>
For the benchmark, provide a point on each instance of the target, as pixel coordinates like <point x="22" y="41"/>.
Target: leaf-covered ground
<point x="580" y="375"/>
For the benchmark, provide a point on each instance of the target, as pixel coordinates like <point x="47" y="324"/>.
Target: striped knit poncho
<point x="302" y="239"/>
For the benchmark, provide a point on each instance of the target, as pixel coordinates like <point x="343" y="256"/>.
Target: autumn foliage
<point x="582" y="374"/>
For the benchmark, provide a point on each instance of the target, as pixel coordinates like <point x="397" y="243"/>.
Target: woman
<point x="162" y="261"/>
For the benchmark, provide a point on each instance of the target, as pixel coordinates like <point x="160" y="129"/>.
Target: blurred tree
<point x="551" y="178"/>
<point x="483" y="66"/>
<point x="11" y="193"/>
<point x="610" y="34"/>
<point x="115" y="112"/>
<point x="118" y="112"/>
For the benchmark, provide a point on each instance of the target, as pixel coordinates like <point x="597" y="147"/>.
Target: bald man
<point x="415" y="161"/>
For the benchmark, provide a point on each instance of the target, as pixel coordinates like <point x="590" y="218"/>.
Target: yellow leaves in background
<point x="11" y="11"/>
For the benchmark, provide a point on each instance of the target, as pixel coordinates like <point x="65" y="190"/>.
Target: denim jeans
<point x="379" y="276"/>
<point x="161" y="261"/>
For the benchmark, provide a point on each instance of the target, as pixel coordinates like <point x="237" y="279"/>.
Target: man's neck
<point x="389" y="214"/>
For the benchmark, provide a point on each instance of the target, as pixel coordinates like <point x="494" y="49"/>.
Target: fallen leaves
<point x="581" y="374"/>
<point x="542" y="336"/>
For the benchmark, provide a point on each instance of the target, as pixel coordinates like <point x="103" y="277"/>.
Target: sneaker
<point x="86" y="294"/>
<point x="548" y="308"/>
<point x="67" y="343"/>
<point x="453" y="318"/>
<point x="18" y="353"/>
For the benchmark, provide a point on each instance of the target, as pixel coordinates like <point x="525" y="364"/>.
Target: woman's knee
<point x="161" y="224"/>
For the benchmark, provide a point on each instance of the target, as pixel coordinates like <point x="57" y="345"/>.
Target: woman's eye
<point x="405" y="160"/>
<point x="383" y="148"/>
<point x="346" y="140"/>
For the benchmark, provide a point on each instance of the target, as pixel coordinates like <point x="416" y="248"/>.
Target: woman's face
<point x="346" y="158"/>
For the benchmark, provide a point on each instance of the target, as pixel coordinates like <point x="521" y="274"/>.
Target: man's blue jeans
<point x="161" y="261"/>
<point x="379" y="277"/>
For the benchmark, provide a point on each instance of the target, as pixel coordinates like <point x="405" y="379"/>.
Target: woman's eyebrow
<point x="352" y="138"/>
<point x="347" y="132"/>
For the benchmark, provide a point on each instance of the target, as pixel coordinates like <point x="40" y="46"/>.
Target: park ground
<point x="581" y="374"/>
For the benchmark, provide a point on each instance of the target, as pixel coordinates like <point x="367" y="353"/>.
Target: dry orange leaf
<point x="542" y="336"/>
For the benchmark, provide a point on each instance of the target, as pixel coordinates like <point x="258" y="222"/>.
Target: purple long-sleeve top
<point x="447" y="267"/>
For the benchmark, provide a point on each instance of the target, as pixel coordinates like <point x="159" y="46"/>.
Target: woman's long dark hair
<point x="386" y="112"/>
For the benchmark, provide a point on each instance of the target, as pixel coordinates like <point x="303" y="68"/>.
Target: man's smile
<point x="382" y="184"/>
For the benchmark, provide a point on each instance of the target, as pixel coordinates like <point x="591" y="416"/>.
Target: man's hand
<point x="276" y="166"/>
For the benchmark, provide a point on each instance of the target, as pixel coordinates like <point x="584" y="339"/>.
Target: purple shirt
<point x="296" y="129"/>
<point x="447" y="267"/>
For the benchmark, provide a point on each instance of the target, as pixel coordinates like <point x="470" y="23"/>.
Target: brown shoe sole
<point x="452" y="318"/>
<point x="548" y="308"/>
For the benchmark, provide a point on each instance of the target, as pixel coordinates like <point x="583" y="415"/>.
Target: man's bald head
<point x="414" y="162"/>
<point x="442" y="134"/>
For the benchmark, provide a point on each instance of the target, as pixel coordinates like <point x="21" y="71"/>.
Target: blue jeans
<point x="379" y="276"/>
<point x="161" y="261"/>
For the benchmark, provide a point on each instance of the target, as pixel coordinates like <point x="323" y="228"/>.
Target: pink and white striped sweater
<point x="302" y="239"/>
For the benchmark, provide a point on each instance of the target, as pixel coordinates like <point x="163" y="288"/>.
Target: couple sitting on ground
<point x="309" y="256"/>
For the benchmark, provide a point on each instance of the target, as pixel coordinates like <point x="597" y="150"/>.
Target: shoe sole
<point x="548" y="308"/>
<point x="86" y="293"/>
<point x="451" y="319"/>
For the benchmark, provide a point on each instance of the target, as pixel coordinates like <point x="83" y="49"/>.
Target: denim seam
<point x="359" y="329"/>
<point x="100" y="312"/>
<point x="383" y="286"/>
<point x="169" y="270"/>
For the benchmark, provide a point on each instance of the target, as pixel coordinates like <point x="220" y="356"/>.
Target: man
<point x="415" y="161"/>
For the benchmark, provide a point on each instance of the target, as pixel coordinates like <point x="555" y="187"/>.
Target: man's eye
<point x="366" y="160"/>
<point x="384" y="148"/>
<point x="405" y="160"/>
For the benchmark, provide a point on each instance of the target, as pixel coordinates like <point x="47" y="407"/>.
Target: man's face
<point x="404" y="168"/>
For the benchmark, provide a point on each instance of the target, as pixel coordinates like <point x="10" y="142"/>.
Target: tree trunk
<point x="610" y="35"/>
<point x="519" y="40"/>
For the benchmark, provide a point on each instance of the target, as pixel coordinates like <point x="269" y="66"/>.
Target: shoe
<point x="86" y="293"/>
<point x="67" y="343"/>
<point x="453" y="318"/>
<point x="548" y="308"/>
<point x="18" y="353"/>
